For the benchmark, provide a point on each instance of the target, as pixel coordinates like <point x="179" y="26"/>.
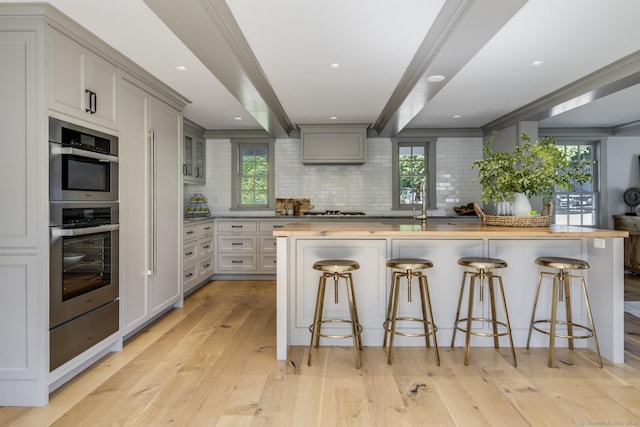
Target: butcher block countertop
<point x="374" y="229"/>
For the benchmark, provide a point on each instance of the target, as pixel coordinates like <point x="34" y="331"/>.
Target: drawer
<point x="205" y="228"/>
<point x="233" y="262"/>
<point x="189" y="232"/>
<point x="268" y="263"/>
<point x="189" y="251"/>
<point x="205" y="246"/>
<point x="269" y="226"/>
<point x="205" y="268"/>
<point x="268" y="243"/>
<point x="241" y="226"/>
<point x="189" y="276"/>
<point x="236" y="243"/>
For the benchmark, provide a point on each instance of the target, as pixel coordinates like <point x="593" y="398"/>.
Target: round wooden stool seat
<point x="562" y="263"/>
<point x="336" y="265"/>
<point x="482" y="263"/>
<point x="410" y="263"/>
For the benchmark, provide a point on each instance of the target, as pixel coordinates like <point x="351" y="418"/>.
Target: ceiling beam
<point x="617" y="76"/>
<point x="220" y="45"/>
<point x="460" y="30"/>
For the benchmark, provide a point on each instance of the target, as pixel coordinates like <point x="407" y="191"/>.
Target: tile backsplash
<point x="364" y="187"/>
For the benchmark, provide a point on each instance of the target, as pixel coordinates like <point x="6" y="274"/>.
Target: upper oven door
<point x="76" y="174"/>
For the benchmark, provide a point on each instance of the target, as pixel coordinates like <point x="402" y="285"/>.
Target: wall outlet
<point x="598" y="243"/>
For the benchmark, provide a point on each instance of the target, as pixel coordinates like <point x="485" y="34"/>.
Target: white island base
<point x="371" y="245"/>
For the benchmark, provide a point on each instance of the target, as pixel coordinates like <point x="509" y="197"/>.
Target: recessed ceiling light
<point x="334" y="66"/>
<point x="237" y="118"/>
<point x="457" y="116"/>
<point x="333" y="118"/>
<point x="435" y="78"/>
<point x="537" y="63"/>
<point x="181" y="68"/>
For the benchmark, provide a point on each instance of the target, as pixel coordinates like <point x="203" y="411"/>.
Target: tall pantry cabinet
<point x="150" y="204"/>
<point x="47" y="61"/>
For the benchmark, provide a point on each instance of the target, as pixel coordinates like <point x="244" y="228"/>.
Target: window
<point x="252" y="176"/>
<point x="579" y="205"/>
<point x="413" y="172"/>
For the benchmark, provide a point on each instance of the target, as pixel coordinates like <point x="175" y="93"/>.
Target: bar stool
<point x="412" y="268"/>
<point x="482" y="268"/>
<point x="336" y="269"/>
<point x="561" y="291"/>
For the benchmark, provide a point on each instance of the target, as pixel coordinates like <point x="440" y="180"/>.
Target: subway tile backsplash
<point x="364" y="187"/>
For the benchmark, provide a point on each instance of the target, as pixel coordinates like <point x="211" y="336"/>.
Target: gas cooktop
<point x="334" y="213"/>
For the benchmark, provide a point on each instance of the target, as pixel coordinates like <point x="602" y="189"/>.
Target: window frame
<point x="595" y="143"/>
<point x="429" y="146"/>
<point x="236" y="183"/>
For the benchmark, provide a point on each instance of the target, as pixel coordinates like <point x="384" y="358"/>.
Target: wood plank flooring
<point x="212" y="363"/>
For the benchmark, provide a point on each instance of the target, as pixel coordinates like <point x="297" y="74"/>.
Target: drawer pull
<point x="188" y="275"/>
<point x="206" y="247"/>
<point x="275" y="261"/>
<point x="189" y="232"/>
<point x="189" y="253"/>
<point x="206" y="265"/>
<point x="278" y="226"/>
<point x="236" y="243"/>
<point x="275" y="243"/>
<point x="207" y="228"/>
<point x="237" y="261"/>
<point x="236" y="226"/>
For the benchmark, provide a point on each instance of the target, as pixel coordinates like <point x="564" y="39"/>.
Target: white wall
<point x="619" y="171"/>
<point x="350" y="187"/>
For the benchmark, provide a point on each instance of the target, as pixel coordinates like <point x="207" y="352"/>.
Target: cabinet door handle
<point x="197" y="172"/>
<point x="184" y="169"/>
<point x="92" y="102"/>
<point x="237" y="262"/>
<point x="236" y="243"/>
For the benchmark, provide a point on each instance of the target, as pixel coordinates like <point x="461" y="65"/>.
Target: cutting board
<point x="305" y="205"/>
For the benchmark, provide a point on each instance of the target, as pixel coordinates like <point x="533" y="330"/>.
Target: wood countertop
<point x="374" y="229"/>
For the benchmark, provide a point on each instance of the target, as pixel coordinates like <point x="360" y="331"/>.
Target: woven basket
<point x="543" y="220"/>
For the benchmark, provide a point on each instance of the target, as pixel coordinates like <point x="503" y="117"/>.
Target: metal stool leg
<point x="392" y="332"/>
<point x="492" y="302"/>
<point x="506" y="316"/>
<point x="315" y="338"/>
<point x="467" y="342"/>
<point x="593" y="325"/>
<point x="424" y="290"/>
<point x="533" y="313"/>
<point x="554" y="314"/>
<point x="353" y="314"/>
<point x="389" y="306"/>
<point x="455" y="323"/>
<point x="564" y="284"/>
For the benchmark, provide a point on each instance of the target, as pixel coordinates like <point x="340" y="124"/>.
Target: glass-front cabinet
<point x="194" y="151"/>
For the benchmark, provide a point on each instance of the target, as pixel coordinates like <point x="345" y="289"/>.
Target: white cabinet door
<point x="82" y="84"/>
<point x="149" y="220"/>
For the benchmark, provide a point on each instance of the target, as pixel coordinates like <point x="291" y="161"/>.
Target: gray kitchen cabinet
<point x="82" y="84"/>
<point x="194" y="153"/>
<point x="247" y="246"/>
<point x="151" y="204"/>
<point x="197" y="254"/>
<point x="333" y="144"/>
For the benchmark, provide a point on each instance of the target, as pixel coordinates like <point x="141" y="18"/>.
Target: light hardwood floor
<point x="212" y="363"/>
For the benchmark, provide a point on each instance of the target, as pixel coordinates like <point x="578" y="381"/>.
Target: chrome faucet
<point x="423" y="216"/>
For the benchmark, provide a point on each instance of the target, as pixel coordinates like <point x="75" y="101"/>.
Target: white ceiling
<point x="271" y="60"/>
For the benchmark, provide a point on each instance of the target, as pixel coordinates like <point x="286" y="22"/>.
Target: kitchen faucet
<point x="423" y="216"/>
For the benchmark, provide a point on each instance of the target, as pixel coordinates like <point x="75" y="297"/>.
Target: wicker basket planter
<point x="542" y="220"/>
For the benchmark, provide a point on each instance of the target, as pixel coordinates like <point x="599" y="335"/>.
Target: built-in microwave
<point x="83" y="163"/>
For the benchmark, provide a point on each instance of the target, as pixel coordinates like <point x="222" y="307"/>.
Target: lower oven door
<point x="84" y="271"/>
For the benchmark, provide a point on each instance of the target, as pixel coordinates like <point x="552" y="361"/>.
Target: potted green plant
<point x="532" y="169"/>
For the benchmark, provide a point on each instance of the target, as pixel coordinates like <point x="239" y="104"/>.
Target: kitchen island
<point x="299" y="245"/>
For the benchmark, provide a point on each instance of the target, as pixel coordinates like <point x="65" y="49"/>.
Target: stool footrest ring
<point x="483" y="334"/>
<point x="562" y="322"/>
<point x="358" y="328"/>
<point x="432" y="329"/>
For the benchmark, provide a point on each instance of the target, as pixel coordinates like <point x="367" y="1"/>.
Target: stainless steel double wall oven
<point x="83" y="195"/>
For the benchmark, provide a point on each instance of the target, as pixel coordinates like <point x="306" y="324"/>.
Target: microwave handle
<point x="84" y="153"/>
<point x="71" y="232"/>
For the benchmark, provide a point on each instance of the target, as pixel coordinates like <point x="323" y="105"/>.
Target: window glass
<point x="413" y="167"/>
<point x="252" y="182"/>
